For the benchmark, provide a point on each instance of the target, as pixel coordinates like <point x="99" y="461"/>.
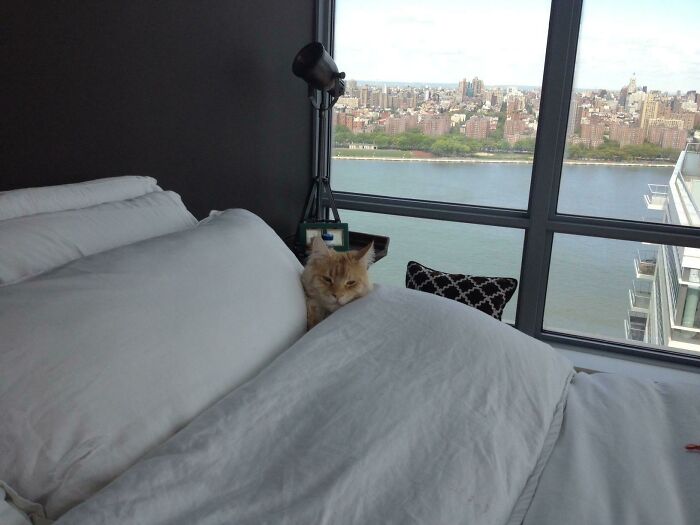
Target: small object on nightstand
<point x="327" y="239"/>
<point x="357" y="240"/>
<point x="338" y="230"/>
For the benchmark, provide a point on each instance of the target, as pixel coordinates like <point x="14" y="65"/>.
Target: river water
<point x="589" y="278"/>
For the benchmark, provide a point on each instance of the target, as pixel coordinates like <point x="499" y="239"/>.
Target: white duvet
<point x="400" y="408"/>
<point x="108" y="356"/>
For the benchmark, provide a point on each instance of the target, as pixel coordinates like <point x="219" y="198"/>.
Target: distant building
<point x="477" y="87"/>
<point x="364" y="96"/>
<point x="592" y="134"/>
<point x="650" y="110"/>
<point x="477" y="127"/>
<point x="514" y="104"/>
<point x="462" y="90"/>
<point x="622" y="98"/>
<point x="496" y="98"/>
<point x="514" y="129"/>
<point x="674" y="138"/>
<point x="667" y="123"/>
<point x="353" y="145"/>
<point x="435" y="125"/>
<point x="395" y="125"/>
<point x="349" y="102"/>
<point x="626" y="134"/>
<point x="575" y="115"/>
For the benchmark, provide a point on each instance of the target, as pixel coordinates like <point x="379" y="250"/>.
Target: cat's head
<point x="336" y="278"/>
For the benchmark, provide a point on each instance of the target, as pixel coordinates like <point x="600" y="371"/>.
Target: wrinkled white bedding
<point x="109" y="355"/>
<point x="621" y="458"/>
<point x="400" y="408"/>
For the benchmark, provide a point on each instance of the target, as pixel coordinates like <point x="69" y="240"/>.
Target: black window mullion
<point x="443" y="211"/>
<point x="618" y="229"/>
<point x="557" y="84"/>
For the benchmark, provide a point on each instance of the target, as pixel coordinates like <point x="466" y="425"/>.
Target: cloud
<point x="504" y="43"/>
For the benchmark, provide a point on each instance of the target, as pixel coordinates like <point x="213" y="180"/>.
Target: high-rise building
<point x="364" y="96"/>
<point x="632" y="86"/>
<point x="514" y="129"/>
<point x="462" y="90"/>
<point x="477" y="87"/>
<point x="573" y="110"/>
<point x="477" y="127"/>
<point x="395" y="125"/>
<point x="592" y="133"/>
<point x="496" y="98"/>
<point x="626" y="134"/>
<point x="667" y="137"/>
<point x="650" y="110"/>
<point x="622" y="99"/>
<point x="436" y="125"/>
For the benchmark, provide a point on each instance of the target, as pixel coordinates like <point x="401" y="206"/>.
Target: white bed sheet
<point x="620" y="458"/>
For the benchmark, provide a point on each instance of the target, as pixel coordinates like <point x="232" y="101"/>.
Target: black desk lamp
<point x="317" y="68"/>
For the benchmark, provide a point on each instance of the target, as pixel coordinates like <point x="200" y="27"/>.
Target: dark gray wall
<point x="198" y="94"/>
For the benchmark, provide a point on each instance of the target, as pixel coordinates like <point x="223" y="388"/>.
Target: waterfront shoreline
<point x="508" y="161"/>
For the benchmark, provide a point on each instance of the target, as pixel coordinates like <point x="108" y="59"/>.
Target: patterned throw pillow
<point x="488" y="294"/>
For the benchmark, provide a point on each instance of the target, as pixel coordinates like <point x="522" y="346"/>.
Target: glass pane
<point x="438" y="106"/>
<point x="633" y="111"/>
<point x="446" y="246"/>
<point x="626" y="291"/>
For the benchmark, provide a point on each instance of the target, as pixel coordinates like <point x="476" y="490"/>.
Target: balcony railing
<point x="640" y="296"/>
<point x="635" y="326"/>
<point x="657" y="197"/>
<point x="645" y="264"/>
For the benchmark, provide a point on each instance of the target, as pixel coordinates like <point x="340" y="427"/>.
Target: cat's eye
<point x="350" y="284"/>
<point x="328" y="279"/>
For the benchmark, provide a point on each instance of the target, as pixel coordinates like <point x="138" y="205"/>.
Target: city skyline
<point x="441" y="46"/>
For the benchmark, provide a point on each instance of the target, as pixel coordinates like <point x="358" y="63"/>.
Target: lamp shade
<point x="317" y="68"/>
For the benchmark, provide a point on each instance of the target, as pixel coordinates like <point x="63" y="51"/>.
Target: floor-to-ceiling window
<point x="547" y="142"/>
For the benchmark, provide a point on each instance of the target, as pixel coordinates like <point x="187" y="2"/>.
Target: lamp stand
<point x="314" y="210"/>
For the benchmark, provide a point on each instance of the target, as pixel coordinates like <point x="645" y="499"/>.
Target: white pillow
<point x="29" y="201"/>
<point x="110" y="355"/>
<point x="37" y="243"/>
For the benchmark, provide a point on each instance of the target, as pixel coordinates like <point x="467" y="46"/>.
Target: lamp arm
<point x="313" y="97"/>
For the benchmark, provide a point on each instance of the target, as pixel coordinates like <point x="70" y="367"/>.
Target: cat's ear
<point x="318" y="247"/>
<point x="366" y="254"/>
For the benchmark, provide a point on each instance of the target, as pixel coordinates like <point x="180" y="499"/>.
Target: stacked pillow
<point x="44" y="228"/>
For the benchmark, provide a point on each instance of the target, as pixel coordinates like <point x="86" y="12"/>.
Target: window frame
<point x="541" y="220"/>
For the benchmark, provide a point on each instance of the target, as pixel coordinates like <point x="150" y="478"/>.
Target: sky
<point x="503" y="42"/>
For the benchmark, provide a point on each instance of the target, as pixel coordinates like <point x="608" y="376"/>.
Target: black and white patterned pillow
<point x="488" y="294"/>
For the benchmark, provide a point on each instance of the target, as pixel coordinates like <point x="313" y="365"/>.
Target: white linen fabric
<point x="106" y="357"/>
<point x="620" y="458"/>
<point x="37" y="243"/>
<point x="46" y="199"/>
<point x="401" y="407"/>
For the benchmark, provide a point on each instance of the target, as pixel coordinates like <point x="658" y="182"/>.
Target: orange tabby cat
<point x="332" y="279"/>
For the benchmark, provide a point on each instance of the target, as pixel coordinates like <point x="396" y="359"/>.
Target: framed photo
<point x="339" y="230"/>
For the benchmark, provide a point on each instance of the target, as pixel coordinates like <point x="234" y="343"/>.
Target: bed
<point x="165" y="376"/>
